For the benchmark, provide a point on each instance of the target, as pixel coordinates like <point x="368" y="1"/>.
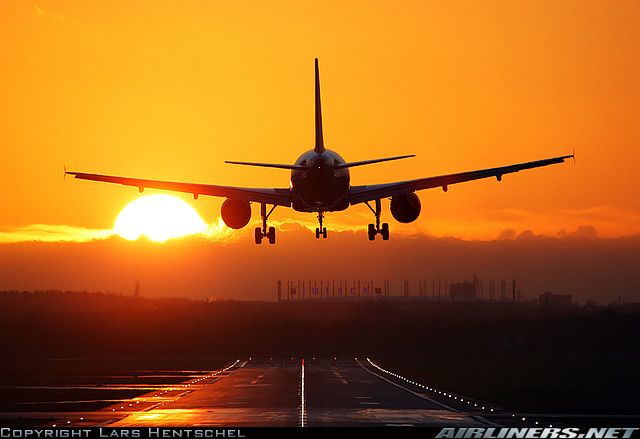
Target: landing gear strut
<point x="263" y="232"/>
<point x="374" y="229"/>
<point x="321" y="231"/>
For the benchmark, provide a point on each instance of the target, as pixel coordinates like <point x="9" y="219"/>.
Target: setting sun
<point x="159" y="217"/>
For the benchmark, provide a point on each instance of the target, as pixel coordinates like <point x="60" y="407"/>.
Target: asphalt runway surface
<point x="283" y="393"/>
<point x="342" y="392"/>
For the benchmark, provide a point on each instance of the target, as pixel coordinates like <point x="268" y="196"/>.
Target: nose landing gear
<point x="321" y="231"/>
<point x="264" y="232"/>
<point x="374" y="229"/>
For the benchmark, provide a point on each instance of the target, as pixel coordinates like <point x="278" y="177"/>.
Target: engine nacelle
<point x="236" y="213"/>
<point x="405" y="208"/>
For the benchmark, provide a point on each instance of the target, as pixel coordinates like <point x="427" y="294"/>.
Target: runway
<point x="282" y="393"/>
<point x="336" y="392"/>
<point x="292" y="392"/>
<point x="351" y="394"/>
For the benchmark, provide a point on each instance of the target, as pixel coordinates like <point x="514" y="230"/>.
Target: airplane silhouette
<point x="319" y="184"/>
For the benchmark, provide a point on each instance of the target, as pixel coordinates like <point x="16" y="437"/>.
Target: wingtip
<point x="69" y="172"/>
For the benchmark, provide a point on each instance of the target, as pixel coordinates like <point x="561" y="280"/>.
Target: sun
<point x="159" y="217"/>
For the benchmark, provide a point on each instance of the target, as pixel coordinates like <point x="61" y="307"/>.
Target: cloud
<point x="507" y="234"/>
<point x="219" y="232"/>
<point x="53" y="233"/>
<point x="527" y="234"/>
<point x="585" y="232"/>
<point x="598" y="269"/>
<point x="215" y="232"/>
<point x="483" y="229"/>
<point x="486" y="225"/>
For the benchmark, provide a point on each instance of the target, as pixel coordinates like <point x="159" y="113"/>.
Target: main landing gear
<point x="374" y="229"/>
<point x="321" y="231"/>
<point x="263" y="232"/>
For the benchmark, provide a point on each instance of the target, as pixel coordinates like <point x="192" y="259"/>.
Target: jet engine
<point x="235" y="213"/>
<point x="405" y="208"/>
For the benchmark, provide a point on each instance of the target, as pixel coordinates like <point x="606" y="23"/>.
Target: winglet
<point x="573" y="155"/>
<point x="319" y="147"/>
<point x="65" y="172"/>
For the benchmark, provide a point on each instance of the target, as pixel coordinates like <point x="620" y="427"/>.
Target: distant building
<point x="463" y="291"/>
<point x="550" y="300"/>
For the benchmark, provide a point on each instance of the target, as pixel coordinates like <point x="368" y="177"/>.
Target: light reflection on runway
<point x="269" y="393"/>
<point x="331" y="392"/>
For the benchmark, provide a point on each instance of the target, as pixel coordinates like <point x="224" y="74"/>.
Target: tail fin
<point x="319" y="148"/>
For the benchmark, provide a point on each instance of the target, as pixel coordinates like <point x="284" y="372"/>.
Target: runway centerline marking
<point x="302" y="405"/>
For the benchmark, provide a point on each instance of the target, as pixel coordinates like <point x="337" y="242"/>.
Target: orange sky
<point x="168" y="90"/>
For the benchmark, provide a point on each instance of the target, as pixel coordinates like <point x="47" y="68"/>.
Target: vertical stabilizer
<point x="319" y="147"/>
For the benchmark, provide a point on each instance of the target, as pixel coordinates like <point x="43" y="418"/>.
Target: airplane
<point x="319" y="184"/>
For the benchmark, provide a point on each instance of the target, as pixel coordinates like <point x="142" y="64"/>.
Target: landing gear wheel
<point x="372" y="232"/>
<point x="264" y="232"/>
<point x="321" y="231"/>
<point x="385" y="231"/>
<point x="374" y="229"/>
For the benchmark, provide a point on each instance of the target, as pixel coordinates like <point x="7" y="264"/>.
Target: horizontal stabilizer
<point x="368" y="162"/>
<point x="267" y="165"/>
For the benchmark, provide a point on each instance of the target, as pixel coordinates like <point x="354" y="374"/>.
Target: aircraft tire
<point x="371" y="232"/>
<point x="385" y="231"/>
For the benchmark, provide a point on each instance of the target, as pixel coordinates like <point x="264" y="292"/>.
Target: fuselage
<point x="321" y="187"/>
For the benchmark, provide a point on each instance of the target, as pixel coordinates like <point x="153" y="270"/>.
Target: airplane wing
<point x="275" y="196"/>
<point x="361" y="194"/>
